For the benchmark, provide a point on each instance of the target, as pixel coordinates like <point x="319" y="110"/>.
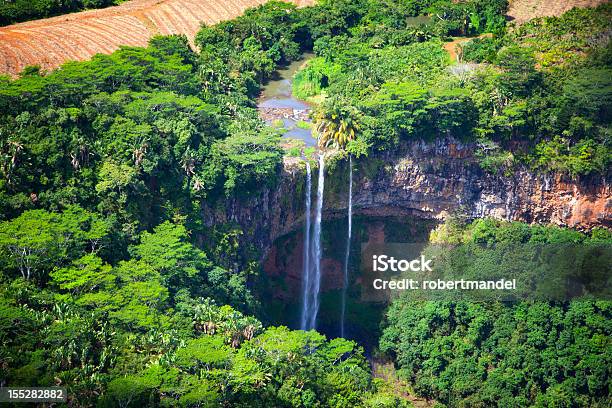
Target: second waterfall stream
<point x="348" y="250"/>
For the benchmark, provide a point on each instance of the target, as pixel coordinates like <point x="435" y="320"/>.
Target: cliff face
<point x="430" y="180"/>
<point x="443" y="177"/>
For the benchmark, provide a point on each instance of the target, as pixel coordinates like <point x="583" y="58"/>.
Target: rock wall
<point x="439" y="178"/>
<point x="430" y="180"/>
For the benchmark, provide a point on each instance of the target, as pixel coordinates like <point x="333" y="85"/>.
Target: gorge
<point x="421" y="181"/>
<point x="414" y="188"/>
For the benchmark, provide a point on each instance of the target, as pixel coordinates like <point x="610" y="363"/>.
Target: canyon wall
<point x="428" y="180"/>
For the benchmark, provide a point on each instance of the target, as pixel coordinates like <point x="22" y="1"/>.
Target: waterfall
<point x="311" y="272"/>
<point x="348" y="248"/>
<point x="306" y="257"/>
<point x="316" y="243"/>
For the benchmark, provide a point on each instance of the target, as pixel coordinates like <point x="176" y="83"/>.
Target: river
<point x="277" y="103"/>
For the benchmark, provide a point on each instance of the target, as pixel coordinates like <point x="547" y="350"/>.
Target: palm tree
<point x="335" y="124"/>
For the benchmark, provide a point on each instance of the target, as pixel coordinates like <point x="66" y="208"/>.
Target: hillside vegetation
<point x="537" y="95"/>
<point x="115" y="284"/>
<point x="527" y="353"/>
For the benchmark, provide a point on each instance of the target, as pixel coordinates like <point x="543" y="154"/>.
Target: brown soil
<point x="524" y="10"/>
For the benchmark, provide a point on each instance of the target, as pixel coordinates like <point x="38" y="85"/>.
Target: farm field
<point x="79" y="36"/>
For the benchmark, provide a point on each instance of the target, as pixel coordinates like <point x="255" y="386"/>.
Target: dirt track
<point x="78" y="36"/>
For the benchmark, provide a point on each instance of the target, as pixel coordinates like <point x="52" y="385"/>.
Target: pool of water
<point x="277" y="102"/>
<point x="418" y="21"/>
<point x="282" y="278"/>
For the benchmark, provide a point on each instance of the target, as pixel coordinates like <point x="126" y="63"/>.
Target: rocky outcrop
<point x="429" y="180"/>
<point x="437" y="179"/>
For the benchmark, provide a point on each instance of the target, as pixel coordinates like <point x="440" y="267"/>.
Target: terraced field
<point x="79" y="36"/>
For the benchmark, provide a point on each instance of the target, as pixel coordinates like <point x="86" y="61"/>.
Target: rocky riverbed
<point x="279" y="108"/>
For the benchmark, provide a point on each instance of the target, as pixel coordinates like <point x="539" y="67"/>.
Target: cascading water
<point x="311" y="273"/>
<point x="348" y="249"/>
<point x="316" y="242"/>
<point x="306" y="260"/>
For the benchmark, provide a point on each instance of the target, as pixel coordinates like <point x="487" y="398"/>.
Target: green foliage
<point x="110" y="168"/>
<point x="102" y="319"/>
<point x="544" y="80"/>
<point x="301" y="124"/>
<point x="169" y="252"/>
<point x="335" y="123"/>
<point x="519" y="75"/>
<point x="315" y="77"/>
<point x="358" y="147"/>
<point x="556" y="39"/>
<point x="36" y="240"/>
<point x="497" y="354"/>
<point x="129" y="135"/>
<point x="242" y="53"/>
<point x="84" y="276"/>
<point x="243" y="163"/>
<point x="584" y="157"/>
<point x="480" y="50"/>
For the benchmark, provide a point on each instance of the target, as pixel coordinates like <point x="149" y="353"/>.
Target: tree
<point x="38" y="239"/>
<point x="463" y="352"/>
<point x="168" y="251"/>
<point x="242" y="163"/>
<point x="335" y="123"/>
<point x="520" y="77"/>
<point x="139" y="306"/>
<point x="86" y="274"/>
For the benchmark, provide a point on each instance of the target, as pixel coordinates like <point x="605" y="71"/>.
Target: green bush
<point x="480" y="50"/>
<point x="22" y="10"/>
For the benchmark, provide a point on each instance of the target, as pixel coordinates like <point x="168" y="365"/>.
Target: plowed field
<point x="79" y="36"/>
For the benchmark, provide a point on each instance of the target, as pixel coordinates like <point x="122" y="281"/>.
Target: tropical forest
<point x="191" y="193"/>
